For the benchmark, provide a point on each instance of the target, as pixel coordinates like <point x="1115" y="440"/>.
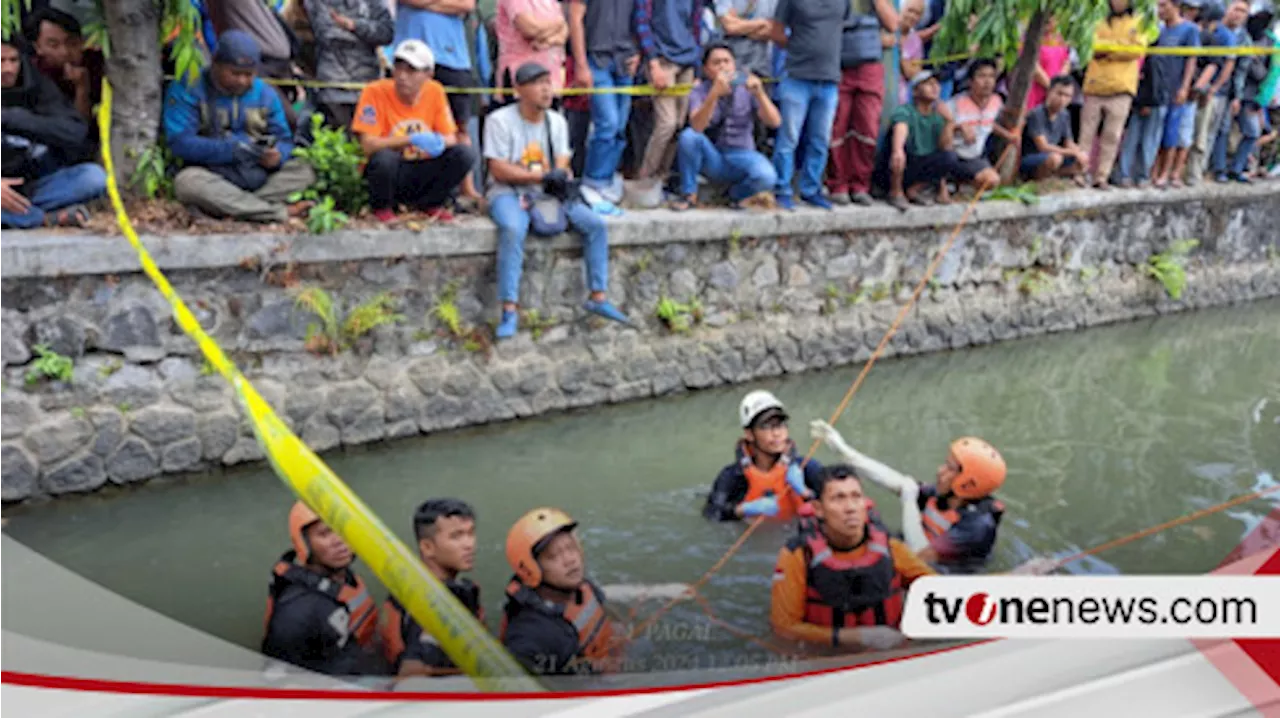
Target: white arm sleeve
<point x="912" y="528"/>
<point x="869" y="468"/>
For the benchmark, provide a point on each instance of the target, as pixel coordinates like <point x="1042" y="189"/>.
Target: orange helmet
<point x="982" y="469"/>
<point x="300" y="517"/>
<point x="529" y="536"/>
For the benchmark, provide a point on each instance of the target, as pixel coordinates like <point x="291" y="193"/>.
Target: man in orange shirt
<point x="407" y="131"/>
<point x="842" y="581"/>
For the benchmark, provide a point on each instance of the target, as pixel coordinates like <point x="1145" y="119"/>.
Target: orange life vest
<point x="938" y="521"/>
<point x="864" y="591"/>
<point x="398" y="629"/>
<point x="350" y="595"/>
<point x="585" y="613"/>
<point x="772" y="482"/>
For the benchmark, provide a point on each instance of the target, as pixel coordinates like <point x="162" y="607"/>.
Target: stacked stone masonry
<point x="775" y="293"/>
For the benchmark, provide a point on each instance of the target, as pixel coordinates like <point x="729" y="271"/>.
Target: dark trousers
<point x="921" y="169"/>
<point x="422" y="184"/>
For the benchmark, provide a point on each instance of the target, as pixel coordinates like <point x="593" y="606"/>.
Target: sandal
<point x="680" y="205"/>
<point x="920" y="201"/>
<point x="77" y="216"/>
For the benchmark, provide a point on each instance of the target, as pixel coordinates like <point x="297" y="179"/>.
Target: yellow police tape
<point x="463" y="638"/>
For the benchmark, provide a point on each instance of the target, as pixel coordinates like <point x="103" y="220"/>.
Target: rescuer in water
<point x="841" y="581"/>
<point x="319" y="614"/>
<point x="554" y="620"/>
<point x="957" y="518"/>
<point x="766" y="478"/>
<point x="446" y="533"/>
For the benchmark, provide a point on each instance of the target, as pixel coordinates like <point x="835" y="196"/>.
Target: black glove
<point x="556" y="184"/>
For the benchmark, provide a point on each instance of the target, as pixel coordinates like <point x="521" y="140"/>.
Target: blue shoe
<point x="606" y="310"/>
<point x="818" y="201"/>
<point x="784" y="201"/>
<point x="1241" y="178"/>
<point x="507" y="327"/>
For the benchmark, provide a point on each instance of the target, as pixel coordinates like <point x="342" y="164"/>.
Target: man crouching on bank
<point x="843" y="582"/>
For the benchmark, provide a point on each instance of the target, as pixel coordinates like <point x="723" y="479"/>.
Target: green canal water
<point x="1106" y="432"/>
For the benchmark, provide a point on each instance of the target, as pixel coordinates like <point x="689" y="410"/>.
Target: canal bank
<point x="762" y="295"/>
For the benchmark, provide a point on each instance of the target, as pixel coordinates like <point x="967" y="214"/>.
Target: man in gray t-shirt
<point x="526" y="146"/>
<point x="746" y="32"/>
<point x="808" y="95"/>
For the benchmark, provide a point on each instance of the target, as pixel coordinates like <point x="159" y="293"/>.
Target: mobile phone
<point x="739" y="78"/>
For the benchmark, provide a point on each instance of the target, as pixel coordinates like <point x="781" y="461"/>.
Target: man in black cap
<point x="526" y="146"/>
<point x="229" y="129"/>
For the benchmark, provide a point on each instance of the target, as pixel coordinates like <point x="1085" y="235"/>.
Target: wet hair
<point x="31" y="28"/>
<point x="835" y="472"/>
<point x="1061" y="81"/>
<point x="982" y="62"/>
<point x="432" y="510"/>
<point x="717" y="45"/>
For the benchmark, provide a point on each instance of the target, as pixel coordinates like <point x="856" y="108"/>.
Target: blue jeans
<point x="58" y="189"/>
<point x="1222" y="134"/>
<point x="810" y="105"/>
<point x="609" y="114"/>
<point x="1250" y="119"/>
<point x="1141" y="143"/>
<point x="748" y="171"/>
<point x="513" y="226"/>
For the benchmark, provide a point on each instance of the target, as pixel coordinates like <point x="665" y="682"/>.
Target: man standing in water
<point x="554" y="620"/>
<point x="842" y="582"/>
<point x="957" y="530"/>
<point x="319" y="614"/>
<point x="446" y="533"/>
<point x="766" y="478"/>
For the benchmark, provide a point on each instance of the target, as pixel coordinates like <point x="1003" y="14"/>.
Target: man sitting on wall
<point x="407" y="131"/>
<point x="229" y="129"/>
<point x="719" y="142"/>
<point x="1048" y="148"/>
<point x="916" y="150"/>
<point x="43" y="137"/>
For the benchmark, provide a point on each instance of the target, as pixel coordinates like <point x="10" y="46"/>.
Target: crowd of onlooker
<point x="825" y="101"/>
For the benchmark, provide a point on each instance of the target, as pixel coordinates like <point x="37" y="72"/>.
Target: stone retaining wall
<point x="778" y="293"/>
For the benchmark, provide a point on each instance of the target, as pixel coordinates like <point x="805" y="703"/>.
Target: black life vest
<point x="585" y="615"/>
<point x="351" y="596"/>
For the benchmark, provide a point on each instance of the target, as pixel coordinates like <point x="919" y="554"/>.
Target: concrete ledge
<point x="42" y="254"/>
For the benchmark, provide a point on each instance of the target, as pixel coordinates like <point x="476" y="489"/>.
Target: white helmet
<point x="757" y="403"/>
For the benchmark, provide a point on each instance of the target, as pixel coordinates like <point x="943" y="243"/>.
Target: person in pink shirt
<point x="1054" y="56"/>
<point x="531" y="31"/>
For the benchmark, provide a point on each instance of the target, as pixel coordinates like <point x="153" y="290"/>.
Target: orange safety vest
<point x="585" y="613"/>
<point x="772" y="482"/>
<point x="937" y="521"/>
<point x="398" y="629"/>
<point x="351" y="595"/>
<point x="864" y="591"/>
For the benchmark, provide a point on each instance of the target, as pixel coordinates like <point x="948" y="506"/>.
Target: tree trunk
<point x="1020" y="80"/>
<point x="136" y="72"/>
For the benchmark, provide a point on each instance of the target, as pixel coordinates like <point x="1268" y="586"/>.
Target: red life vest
<point x="937" y="521"/>
<point x="585" y="614"/>
<point x="350" y="595"/>
<point x="864" y="591"/>
<point x="772" y="482"/>
<point x="399" y="630"/>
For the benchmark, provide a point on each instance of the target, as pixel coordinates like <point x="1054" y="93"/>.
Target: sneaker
<point x="507" y="327"/>
<point x="440" y="214"/>
<point x="1241" y="178"/>
<point x="818" y="201"/>
<point x="1220" y="178"/>
<point x="784" y="201"/>
<point x="862" y="198"/>
<point x="840" y="198"/>
<point x="385" y="215"/>
<point x="899" y="202"/>
<point x="606" y="310"/>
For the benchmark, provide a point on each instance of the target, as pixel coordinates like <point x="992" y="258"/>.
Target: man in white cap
<point x="917" y="149"/>
<point x="766" y="477"/>
<point x="408" y="133"/>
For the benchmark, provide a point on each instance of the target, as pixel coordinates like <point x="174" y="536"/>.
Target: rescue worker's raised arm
<point x="912" y="525"/>
<point x="867" y="467"/>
